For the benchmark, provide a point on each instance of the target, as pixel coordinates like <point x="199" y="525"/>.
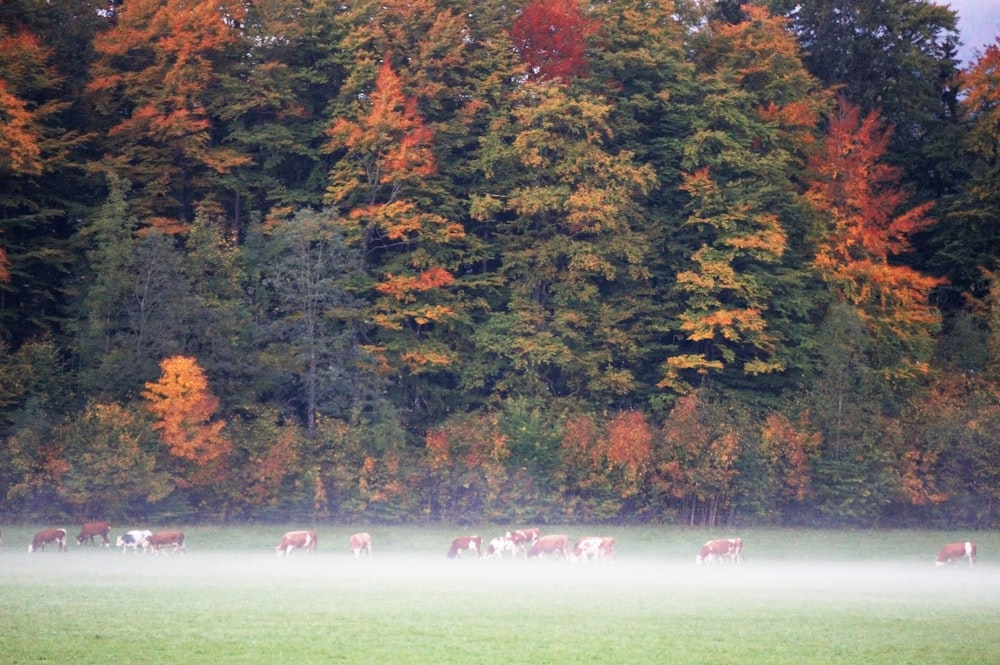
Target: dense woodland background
<point x="545" y="260"/>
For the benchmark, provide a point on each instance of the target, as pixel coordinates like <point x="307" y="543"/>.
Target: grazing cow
<point x="522" y="539"/>
<point x="730" y="549"/>
<point x="46" y="536"/>
<point x="556" y="544"/>
<point x="594" y="548"/>
<point x="90" y="530"/>
<point x="587" y="548"/>
<point x="361" y="543"/>
<point x="297" y="540"/>
<point x="498" y="546"/>
<point x="133" y="540"/>
<point x="952" y="551"/>
<point x="163" y="539"/>
<point x="607" y="549"/>
<point x="466" y="543"/>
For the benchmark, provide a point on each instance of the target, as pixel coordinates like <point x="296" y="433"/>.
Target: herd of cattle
<point x="527" y="543"/>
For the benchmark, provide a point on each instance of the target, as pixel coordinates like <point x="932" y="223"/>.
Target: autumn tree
<point x="551" y="37"/>
<point x="184" y="407"/>
<point x="696" y="461"/>
<point x="467" y="458"/>
<point x="898" y="59"/>
<point x="383" y="157"/>
<point x="155" y="84"/>
<point x="742" y="295"/>
<point x="111" y="468"/>
<point x="790" y="448"/>
<point x="563" y="207"/>
<point x="865" y="227"/>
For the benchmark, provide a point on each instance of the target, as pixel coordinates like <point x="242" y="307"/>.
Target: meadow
<point x="801" y="597"/>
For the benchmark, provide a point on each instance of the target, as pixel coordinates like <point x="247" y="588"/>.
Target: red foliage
<point x="551" y="36"/>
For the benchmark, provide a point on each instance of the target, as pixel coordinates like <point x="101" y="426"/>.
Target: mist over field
<point x="230" y="598"/>
<point x="753" y="581"/>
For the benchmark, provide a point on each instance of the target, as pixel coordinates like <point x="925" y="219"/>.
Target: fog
<point x="751" y="581"/>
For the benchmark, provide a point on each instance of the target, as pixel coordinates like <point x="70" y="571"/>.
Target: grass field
<point x="801" y="597"/>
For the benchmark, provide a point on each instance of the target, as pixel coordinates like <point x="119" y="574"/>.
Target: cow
<point x="594" y="548"/>
<point x="554" y="544"/>
<point x="729" y="549"/>
<point x="133" y="540"/>
<point x="522" y="539"/>
<point x="466" y="544"/>
<point x="46" y="536"/>
<point x="498" y="546"/>
<point x="606" y="552"/>
<point x="952" y="551"/>
<point x="90" y="530"/>
<point x="164" y="539"/>
<point x="361" y="543"/>
<point x="297" y="540"/>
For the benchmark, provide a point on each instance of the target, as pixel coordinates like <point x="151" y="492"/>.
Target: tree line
<point x="437" y="260"/>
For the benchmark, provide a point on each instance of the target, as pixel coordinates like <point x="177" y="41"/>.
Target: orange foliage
<point x="916" y="479"/>
<point x="858" y="193"/>
<point x="269" y="470"/>
<point x="403" y="286"/>
<point x="184" y="406"/>
<point x="789" y="449"/>
<point x="858" y="196"/>
<point x="391" y="142"/>
<point x="630" y="442"/>
<point x="438" y="449"/>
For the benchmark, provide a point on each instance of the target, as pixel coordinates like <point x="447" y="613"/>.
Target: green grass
<point x="802" y="597"/>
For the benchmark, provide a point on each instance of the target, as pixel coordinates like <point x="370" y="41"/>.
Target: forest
<point x="452" y="261"/>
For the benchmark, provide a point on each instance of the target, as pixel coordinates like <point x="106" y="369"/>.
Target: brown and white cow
<point x="297" y="540"/>
<point x="165" y="539"/>
<point x="607" y="550"/>
<point x="46" y="536"/>
<point x="361" y="543"/>
<point x="952" y="551"/>
<point x="728" y="549"/>
<point x="466" y="544"/>
<point x="91" y="530"/>
<point x="552" y="544"/>
<point x="594" y="548"/>
<point x="587" y="548"/>
<point x="522" y="539"/>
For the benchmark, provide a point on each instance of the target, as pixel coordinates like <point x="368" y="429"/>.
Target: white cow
<point x="134" y="540"/>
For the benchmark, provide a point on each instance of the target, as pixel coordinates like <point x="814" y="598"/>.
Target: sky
<point x="978" y="24"/>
